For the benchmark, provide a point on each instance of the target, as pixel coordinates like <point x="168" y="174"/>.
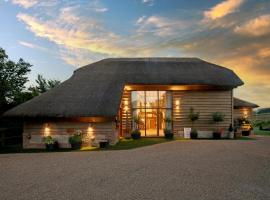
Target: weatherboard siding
<point x="206" y="103"/>
<point x="62" y="130"/>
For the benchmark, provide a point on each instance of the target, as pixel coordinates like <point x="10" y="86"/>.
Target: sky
<point x="59" y="36"/>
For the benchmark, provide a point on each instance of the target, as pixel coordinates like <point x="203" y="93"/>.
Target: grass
<point x="123" y="144"/>
<point x="259" y="132"/>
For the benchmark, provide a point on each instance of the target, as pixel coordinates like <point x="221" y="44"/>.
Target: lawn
<point x="259" y="132"/>
<point x="123" y="144"/>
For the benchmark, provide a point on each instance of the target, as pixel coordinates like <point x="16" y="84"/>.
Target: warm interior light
<point x="125" y="102"/>
<point x="245" y="112"/>
<point x="125" y="108"/>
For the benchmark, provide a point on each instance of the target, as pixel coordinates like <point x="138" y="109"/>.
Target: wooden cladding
<point x="204" y="102"/>
<point x="125" y="109"/>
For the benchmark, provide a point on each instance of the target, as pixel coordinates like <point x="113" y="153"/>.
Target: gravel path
<point x="200" y="169"/>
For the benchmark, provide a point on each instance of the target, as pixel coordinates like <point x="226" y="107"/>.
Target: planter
<point x="168" y="136"/>
<point x="136" y="136"/>
<point x="103" y="144"/>
<point x="49" y="147"/>
<point x="231" y="135"/>
<point x="216" y="135"/>
<point x="245" y="133"/>
<point x="193" y="134"/>
<point x="76" y="145"/>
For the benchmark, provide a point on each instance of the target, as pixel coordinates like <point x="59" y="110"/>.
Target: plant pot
<point x="103" y="144"/>
<point x="168" y="136"/>
<point x="231" y="135"/>
<point x="136" y="136"/>
<point x="49" y="147"/>
<point x="216" y="135"/>
<point x="193" y="135"/>
<point x="245" y="133"/>
<point x="76" y="145"/>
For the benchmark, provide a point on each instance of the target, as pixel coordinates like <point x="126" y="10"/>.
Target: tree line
<point x="13" y="79"/>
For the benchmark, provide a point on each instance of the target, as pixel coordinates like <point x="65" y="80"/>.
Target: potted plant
<point x="50" y="143"/>
<point x="168" y="131"/>
<point x="231" y="131"/>
<point x="217" y="118"/>
<point x="76" y="140"/>
<point x="136" y="134"/>
<point x="193" y="117"/>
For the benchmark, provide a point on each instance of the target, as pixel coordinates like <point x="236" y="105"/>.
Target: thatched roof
<point x="239" y="103"/>
<point x="96" y="89"/>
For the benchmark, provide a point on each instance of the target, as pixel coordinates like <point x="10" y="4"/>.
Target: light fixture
<point x="177" y="103"/>
<point x="47" y="130"/>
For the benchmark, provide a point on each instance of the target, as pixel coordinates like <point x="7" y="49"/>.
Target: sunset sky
<point x="59" y="36"/>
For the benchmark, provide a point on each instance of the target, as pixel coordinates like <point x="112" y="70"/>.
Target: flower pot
<point x="231" y="135"/>
<point x="49" y="147"/>
<point x="76" y="145"/>
<point x="136" y="136"/>
<point x="216" y="135"/>
<point x="168" y="136"/>
<point x="193" y="135"/>
<point x="103" y="144"/>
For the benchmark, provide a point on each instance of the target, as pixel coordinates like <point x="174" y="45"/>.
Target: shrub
<point x="136" y="134"/>
<point x="50" y="143"/>
<point x="217" y="117"/>
<point x="168" y="133"/>
<point x="49" y="140"/>
<point x="193" y="117"/>
<point x="76" y="140"/>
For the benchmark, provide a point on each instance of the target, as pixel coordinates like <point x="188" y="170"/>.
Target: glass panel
<point x="151" y="99"/>
<point x="137" y="98"/>
<point x="165" y="99"/>
<point x="151" y="122"/>
<point x="141" y="114"/>
<point x="168" y="99"/>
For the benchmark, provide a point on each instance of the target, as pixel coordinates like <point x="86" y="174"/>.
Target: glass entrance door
<point x="151" y="122"/>
<point x="151" y="108"/>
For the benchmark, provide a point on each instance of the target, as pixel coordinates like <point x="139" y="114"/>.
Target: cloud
<point x="72" y="32"/>
<point x="148" y="2"/>
<point x="159" y="26"/>
<point x="222" y="9"/>
<point x="25" y="3"/>
<point x="32" y="46"/>
<point x="255" y="27"/>
<point x="101" y="10"/>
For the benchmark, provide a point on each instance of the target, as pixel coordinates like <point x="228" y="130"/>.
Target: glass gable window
<point x="152" y="107"/>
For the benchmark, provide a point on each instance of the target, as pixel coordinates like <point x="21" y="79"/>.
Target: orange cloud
<point x="222" y="9"/>
<point x="25" y="3"/>
<point x="255" y="27"/>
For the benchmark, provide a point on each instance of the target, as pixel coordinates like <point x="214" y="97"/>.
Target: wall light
<point x="177" y="104"/>
<point x="47" y="130"/>
<point x="90" y="131"/>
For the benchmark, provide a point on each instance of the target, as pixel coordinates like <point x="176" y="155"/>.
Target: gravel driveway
<point x="199" y="169"/>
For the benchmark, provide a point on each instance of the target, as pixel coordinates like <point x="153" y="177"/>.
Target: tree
<point x="43" y="85"/>
<point x="193" y="116"/>
<point x="13" y="76"/>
